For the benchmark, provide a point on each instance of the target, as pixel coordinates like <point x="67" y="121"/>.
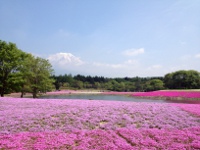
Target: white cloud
<point x="154" y="67"/>
<point x="114" y="66"/>
<point x="127" y="64"/>
<point x="155" y="70"/>
<point x="131" y="62"/>
<point x="197" y="55"/>
<point x="63" y="59"/>
<point x="127" y="68"/>
<point x="133" y="52"/>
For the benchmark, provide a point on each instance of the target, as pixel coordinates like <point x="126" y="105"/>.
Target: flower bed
<point x="105" y="139"/>
<point x="192" y="108"/>
<point x="169" y="94"/>
<point x="83" y="124"/>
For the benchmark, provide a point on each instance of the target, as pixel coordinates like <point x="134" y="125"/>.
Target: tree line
<point x="23" y="72"/>
<point x="182" y="79"/>
<point x="111" y="84"/>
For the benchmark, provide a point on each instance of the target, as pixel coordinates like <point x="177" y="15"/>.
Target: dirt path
<point x="18" y="95"/>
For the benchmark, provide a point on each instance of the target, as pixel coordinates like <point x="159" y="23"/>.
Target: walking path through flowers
<point x="110" y="125"/>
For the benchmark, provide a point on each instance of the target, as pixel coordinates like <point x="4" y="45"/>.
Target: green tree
<point x="78" y="84"/>
<point x="11" y="59"/>
<point x="182" y="79"/>
<point x="97" y="85"/>
<point x="193" y="79"/>
<point x="121" y="86"/>
<point x="154" y="84"/>
<point x="37" y="74"/>
<point x="168" y="81"/>
<point x="130" y="86"/>
<point x="108" y="85"/>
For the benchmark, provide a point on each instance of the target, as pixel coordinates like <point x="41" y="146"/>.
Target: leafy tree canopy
<point x="20" y="71"/>
<point x="11" y="59"/>
<point x="182" y="79"/>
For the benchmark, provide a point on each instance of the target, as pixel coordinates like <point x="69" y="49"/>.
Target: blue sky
<point x="111" y="38"/>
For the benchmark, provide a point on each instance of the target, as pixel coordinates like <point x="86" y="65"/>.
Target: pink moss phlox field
<point x="185" y="94"/>
<point x="120" y="139"/>
<point x="162" y="139"/>
<point x="35" y="115"/>
<point x="84" y="124"/>
<point x="191" y="108"/>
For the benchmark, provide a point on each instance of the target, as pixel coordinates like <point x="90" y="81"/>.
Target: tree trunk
<point x="2" y="91"/>
<point x="34" y="93"/>
<point x="4" y="84"/>
<point x="2" y="94"/>
<point x="22" y="94"/>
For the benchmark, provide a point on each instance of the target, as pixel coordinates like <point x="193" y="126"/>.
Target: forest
<point x="182" y="79"/>
<point x="112" y="84"/>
